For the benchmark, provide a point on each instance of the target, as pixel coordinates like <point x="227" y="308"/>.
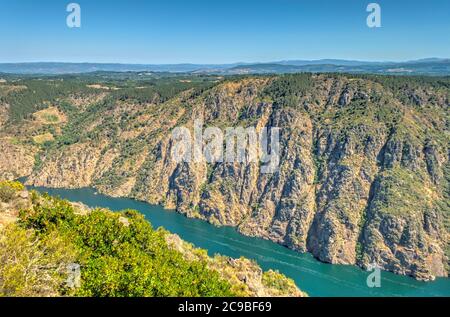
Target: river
<point x="311" y="275"/>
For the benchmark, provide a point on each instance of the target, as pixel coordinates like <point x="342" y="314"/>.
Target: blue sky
<point x="200" y="31"/>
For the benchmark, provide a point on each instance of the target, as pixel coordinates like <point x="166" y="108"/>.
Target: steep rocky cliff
<point x="363" y="174"/>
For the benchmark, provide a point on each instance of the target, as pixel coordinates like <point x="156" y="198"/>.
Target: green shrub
<point x="8" y="190"/>
<point x="31" y="266"/>
<point x="121" y="254"/>
<point x="276" y="280"/>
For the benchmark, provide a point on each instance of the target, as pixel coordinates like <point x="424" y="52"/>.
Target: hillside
<point x="364" y="169"/>
<point x="118" y="254"/>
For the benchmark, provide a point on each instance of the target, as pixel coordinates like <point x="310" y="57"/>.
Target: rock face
<point x="74" y="167"/>
<point x="4" y="108"/>
<point x="16" y="160"/>
<point x="362" y="179"/>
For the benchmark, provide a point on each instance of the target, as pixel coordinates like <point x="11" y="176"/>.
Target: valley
<point x="364" y="167"/>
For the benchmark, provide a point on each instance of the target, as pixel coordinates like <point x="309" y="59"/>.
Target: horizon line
<point x="230" y="63"/>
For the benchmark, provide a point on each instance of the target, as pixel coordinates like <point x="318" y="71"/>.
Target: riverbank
<point x="314" y="277"/>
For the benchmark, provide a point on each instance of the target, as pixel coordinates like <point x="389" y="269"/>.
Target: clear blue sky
<point x="213" y="31"/>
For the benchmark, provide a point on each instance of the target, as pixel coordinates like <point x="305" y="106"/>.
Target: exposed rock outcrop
<point x="362" y="174"/>
<point x="245" y="276"/>
<point x="16" y="160"/>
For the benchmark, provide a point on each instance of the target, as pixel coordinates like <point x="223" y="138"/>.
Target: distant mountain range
<point x="429" y="66"/>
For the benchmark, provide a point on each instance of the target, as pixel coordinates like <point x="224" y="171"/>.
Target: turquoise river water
<point x="311" y="275"/>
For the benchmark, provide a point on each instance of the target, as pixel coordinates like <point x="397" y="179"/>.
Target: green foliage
<point x="17" y="186"/>
<point x="121" y="254"/>
<point x="403" y="87"/>
<point x="286" y="90"/>
<point x="49" y="213"/>
<point x="36" y="94"/>
<point x="276" y="280"/>
<point x="8" y="190"/>
<point x="401" y="192"/>
<point x="30" y="266"/>
<point x="359" y="249"/>
<point x="6" y="193"/>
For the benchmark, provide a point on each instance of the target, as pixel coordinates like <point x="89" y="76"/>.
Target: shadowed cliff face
<point x="363" y="174"/>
